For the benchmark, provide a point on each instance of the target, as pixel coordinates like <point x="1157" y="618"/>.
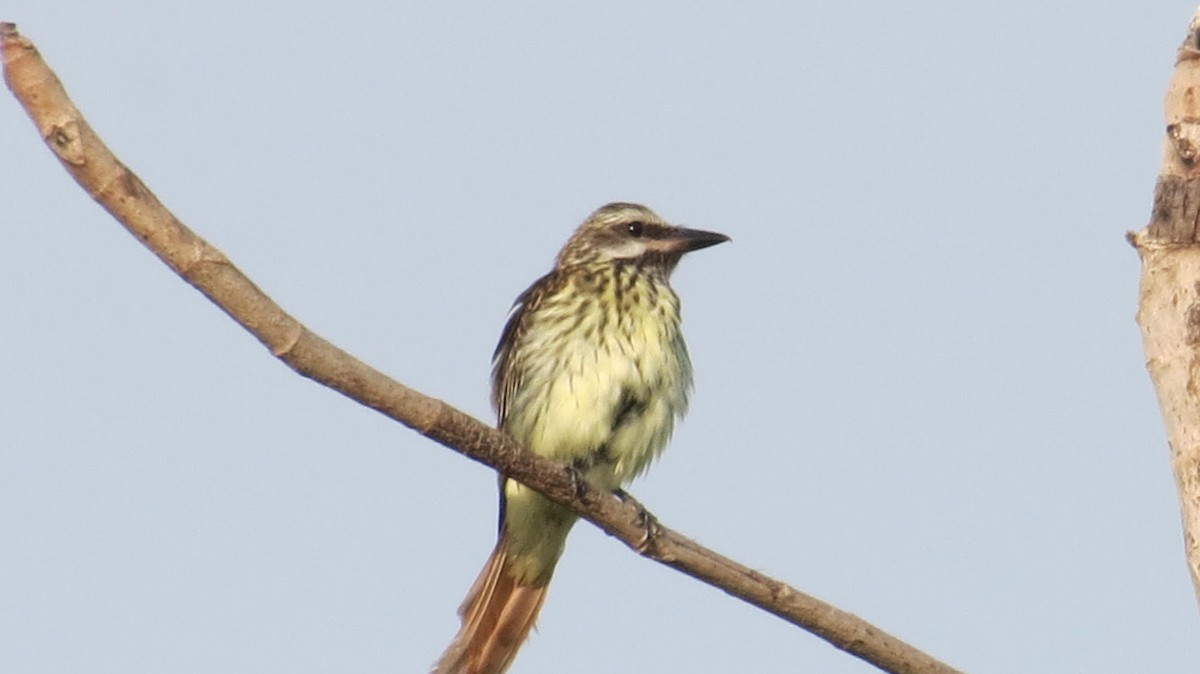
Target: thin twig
<point x="124" y="195"/>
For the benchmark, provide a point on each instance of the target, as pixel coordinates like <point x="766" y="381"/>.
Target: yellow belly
<point x="604" y="383"/>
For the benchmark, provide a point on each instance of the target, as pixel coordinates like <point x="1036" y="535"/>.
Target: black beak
<point x="684" y="240"/>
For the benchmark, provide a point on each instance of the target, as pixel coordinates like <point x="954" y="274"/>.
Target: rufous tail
<point x="496" y="617"/>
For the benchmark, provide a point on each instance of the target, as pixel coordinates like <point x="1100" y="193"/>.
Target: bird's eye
<point x="635" y="228"/>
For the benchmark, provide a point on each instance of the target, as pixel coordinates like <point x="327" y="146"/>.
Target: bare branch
<point x="1169" y="302"/>
<point x="124" y="195"/>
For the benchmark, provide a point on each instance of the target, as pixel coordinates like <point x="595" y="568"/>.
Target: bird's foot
<point x="578" y="484"/>
<point x="647" y="521"/>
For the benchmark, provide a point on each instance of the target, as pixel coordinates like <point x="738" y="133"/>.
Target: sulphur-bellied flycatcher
<point x="591" y="369"/>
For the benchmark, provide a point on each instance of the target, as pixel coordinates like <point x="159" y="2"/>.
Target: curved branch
<point x="124" y="195"/>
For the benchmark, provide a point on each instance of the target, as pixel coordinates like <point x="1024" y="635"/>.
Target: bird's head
<point x="632" y="233"/>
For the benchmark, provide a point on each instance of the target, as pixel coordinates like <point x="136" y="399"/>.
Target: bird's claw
<point x="578" y="485"/>
<point x="647" y="521"/>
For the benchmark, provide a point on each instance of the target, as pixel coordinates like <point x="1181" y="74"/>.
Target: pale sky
<point x="920" y="392"/>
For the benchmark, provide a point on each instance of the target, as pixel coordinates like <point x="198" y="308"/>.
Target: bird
<point x="591" y="370"/>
